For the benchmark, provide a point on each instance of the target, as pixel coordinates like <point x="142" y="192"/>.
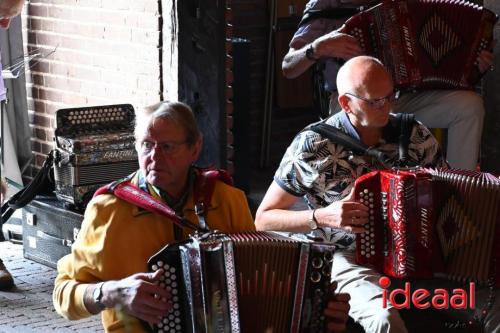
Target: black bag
<point x="49" y="230"/>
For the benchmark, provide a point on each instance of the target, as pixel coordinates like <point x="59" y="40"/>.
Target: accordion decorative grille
<point x="438" y="39"/>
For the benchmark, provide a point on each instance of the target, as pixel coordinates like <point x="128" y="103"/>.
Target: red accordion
<point x="425" y="43"/>
<point x="429" y="222"/>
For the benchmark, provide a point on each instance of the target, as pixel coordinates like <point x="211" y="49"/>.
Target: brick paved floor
<point x="28" y="307"/>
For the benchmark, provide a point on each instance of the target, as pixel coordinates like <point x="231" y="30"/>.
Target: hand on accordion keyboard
<point x="337" y="310"/>
<point x="336" y="45"/>
<point x="139" y="295"/>
<point x="346" y="214"/>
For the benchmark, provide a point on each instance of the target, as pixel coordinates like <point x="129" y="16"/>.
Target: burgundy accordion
<point x="245" y="282"/>
<point x="428" y="222"/>
<point x="425" y="43"/>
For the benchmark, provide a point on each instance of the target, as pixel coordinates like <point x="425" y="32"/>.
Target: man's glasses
<point x="378" y="103"/>
<point x="166" y="148"/>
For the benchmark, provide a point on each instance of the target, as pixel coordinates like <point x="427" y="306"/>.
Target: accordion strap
<point x="204" y="188"/>
<point x="202" y="195"/>
<point x="405" y="122"/>
<point x="338" y="137"/>
<point x="128" y="192"/>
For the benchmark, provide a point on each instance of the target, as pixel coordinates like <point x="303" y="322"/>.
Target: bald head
<point x="358" y="74"/>
<point x="8" y="10"/>
<point x="366" y="93"/>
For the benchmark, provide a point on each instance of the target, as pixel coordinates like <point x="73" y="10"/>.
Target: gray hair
<point x="178" y="113"/>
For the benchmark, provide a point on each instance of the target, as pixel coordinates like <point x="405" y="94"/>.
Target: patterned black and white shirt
<point x="325" y="172"/>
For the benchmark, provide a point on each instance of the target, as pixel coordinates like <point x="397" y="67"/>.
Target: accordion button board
<point x="94" y="146"/>
<point x="169" y="281"/>
<point x="367" y="249"/>
<point x="245" y="282"/>
<point x="371" y="248"/>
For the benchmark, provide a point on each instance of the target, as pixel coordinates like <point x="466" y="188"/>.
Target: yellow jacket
<point x="117" y="239"/>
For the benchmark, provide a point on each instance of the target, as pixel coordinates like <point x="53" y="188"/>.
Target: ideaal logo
<point x="423" y="299"/>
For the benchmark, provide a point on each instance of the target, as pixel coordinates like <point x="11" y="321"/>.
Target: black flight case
<point x="49" y="230"/>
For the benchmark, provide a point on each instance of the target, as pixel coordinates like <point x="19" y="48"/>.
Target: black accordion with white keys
<point x="94" y="146"/>
<point x="244" y="282"/>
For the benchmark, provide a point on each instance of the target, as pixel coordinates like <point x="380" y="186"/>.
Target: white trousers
<point x="460" y="111"/>
<point x="361" y="284"/>
<point x="366" y="297"/>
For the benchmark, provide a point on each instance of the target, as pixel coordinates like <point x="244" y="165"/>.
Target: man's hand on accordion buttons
<point x="346" y="214"/>
<point x="485" y="61"/>
<point x="140" y="296"/>
<point x="336" y="45"/>
<point x="337" y="310"/>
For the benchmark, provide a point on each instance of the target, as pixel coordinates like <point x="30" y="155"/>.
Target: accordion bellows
<point x="426" y="43"/>
<point x="427" y="222"/>
<point x="245" y="282"/>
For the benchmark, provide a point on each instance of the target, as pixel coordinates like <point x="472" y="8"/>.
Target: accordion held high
<point x="94" y="146"/>
<point x="246" y="282"/>
<point x="431" y="222"/>
<point x="425" y="43"/>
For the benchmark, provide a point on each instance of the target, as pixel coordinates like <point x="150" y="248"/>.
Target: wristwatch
<point x="97" y="296"/>
<point x="312" y="222"/>
<point x="310" y="53"/>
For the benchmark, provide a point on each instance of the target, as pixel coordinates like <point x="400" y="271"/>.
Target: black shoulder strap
<point x="38" y="185"/>
<point x="405" y="122"/>
<point x="337" y="136"/>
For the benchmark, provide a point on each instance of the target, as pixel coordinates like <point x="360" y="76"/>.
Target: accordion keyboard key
<point x="328" y="256"/>
<point x="317" y="262"/>
<point x="315" y="277"/>
<point x="358" y="34"/>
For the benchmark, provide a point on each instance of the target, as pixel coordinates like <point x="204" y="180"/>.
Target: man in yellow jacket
<point x="107" y="268"/>
<point x="106" y="271"/>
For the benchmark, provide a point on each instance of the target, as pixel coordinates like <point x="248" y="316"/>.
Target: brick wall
<point x="97" y="52"/>
<point x="94" y="52"/>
